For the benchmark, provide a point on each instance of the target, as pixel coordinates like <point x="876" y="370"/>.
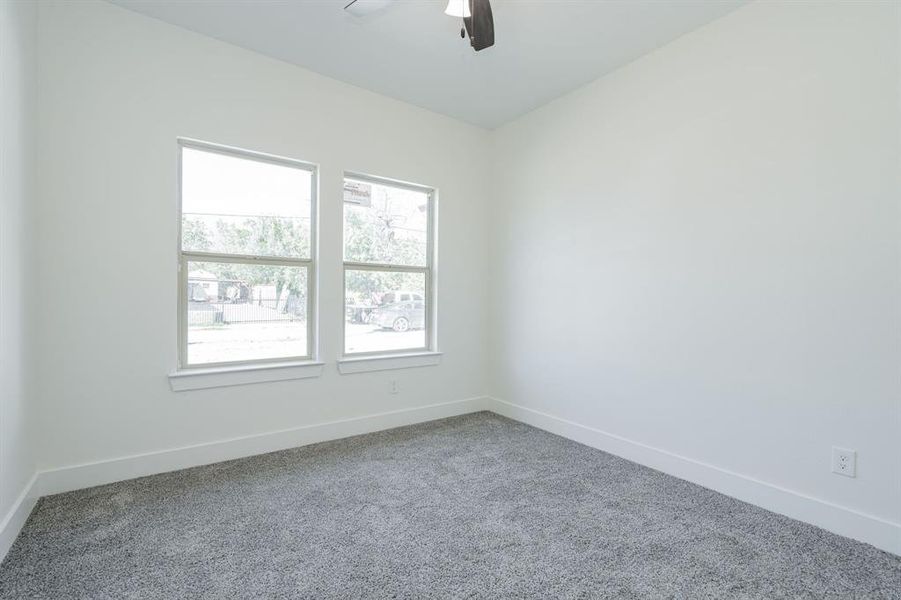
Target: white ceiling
<point x="412" y="51"/>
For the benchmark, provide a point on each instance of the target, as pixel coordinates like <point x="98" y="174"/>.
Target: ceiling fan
<point x="478" y="21"/>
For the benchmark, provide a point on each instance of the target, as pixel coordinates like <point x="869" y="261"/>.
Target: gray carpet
<point x="470" y="507"/>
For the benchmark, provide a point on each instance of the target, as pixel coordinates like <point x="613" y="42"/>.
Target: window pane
<point x="384" y="224"/>
<point x="384" y="311"/>
<point x="242" y="312"/>
<point x="233" y="205"/>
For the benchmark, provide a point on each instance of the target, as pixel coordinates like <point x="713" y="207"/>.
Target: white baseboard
<point x="883" y="534"/>
<point x="838" y="519"/>
<point x="76" y="477"/>
<point x="18" y="513"/>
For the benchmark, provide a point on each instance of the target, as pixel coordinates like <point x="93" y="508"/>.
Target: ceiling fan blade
<point x="480" y="26"/>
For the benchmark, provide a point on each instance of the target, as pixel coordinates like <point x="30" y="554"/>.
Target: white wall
<point x="115" y="90"/>
<point x="704" y="248"/>
<point x="18" y="37"/>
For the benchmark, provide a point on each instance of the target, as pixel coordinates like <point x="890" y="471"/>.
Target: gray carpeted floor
<point x="470" y="507"/>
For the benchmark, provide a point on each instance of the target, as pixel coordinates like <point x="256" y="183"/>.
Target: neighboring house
<point x="203" y="286"/>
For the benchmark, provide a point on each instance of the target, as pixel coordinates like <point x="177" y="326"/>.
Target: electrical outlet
<point x="393" y="387"/>
<point x="844" y="461"/>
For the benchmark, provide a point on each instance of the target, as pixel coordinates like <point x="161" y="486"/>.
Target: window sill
<point x="199" y="379"/>
<point x="386" y="362"/>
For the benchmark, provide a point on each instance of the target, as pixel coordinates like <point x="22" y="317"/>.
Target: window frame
<point x="311" y="264"/>
<point x="429" y="270"/>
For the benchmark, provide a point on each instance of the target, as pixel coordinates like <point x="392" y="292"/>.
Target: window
<point x="388" y="267"/>
<point x="245" y="257"/>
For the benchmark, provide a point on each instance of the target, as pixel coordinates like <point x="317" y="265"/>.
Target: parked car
<point x="399" y="296"/>
<point x="400" y="316"/>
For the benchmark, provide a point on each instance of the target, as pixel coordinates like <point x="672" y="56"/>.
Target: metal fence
<point x="217" y="302"/>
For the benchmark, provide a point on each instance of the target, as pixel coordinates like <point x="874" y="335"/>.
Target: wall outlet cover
<point x="844" y="461"/>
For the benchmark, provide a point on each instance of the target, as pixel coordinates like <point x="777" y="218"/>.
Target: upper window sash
<point x="384" y="209"/>
<point x="240" y="203"/>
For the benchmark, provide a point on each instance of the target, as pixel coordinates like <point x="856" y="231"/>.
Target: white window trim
<point x="275" y="367"/>
<point x="200" y="378"/>
<point x="388" y="362"/>
<point x="358" y="362"/>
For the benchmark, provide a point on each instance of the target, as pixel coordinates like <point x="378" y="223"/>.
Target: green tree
<point x="374" y="235"/>
<point x="194" y="235"/>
